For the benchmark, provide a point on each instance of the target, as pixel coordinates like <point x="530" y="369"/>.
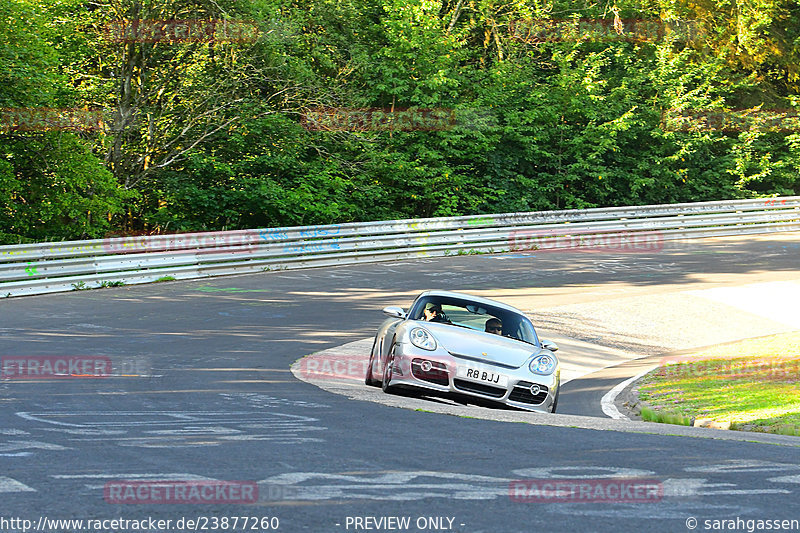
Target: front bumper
<point x="428" y="370"/>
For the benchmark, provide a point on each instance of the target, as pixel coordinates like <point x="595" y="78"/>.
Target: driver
<point x="433" y="313"/>
<point x="493" y="325"/>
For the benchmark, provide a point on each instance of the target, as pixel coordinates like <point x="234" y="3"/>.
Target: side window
<point x="457" y="315"/>
<point x="417" y="307"/>
<point x="512" y="327"/>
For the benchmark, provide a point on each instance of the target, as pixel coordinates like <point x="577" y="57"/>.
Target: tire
<point x="387" y="373"/>
<point x="555" y="402"/>
<point x="369" y="379"/>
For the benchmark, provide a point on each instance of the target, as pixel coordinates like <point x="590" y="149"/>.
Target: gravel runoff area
<point x="656" y="324"/>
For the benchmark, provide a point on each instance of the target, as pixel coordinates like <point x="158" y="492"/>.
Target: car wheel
<point x="369" y="380"/>
<point x="388" y="368"/>
<point x="555" y="402"/>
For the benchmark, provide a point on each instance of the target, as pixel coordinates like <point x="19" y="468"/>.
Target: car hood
<point x="480" y="346"/>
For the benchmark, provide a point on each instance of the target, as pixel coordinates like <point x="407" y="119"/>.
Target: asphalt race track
<point x="201" y="391"/>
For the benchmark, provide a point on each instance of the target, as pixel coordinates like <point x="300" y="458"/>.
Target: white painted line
<point x="743" y="465"/>
<point x="12" y="485"/>
<point x="607" y="402"/>
<point x="694" y="487"/>
<point x="173" y="418"/>
<point x="785" y="479"/>
<point x="195" y="430"/>
<point x="165" y="477"/>
<point x="13" y="446"/>
<point x="13" y="432"/>
<point x="93" y="478"/>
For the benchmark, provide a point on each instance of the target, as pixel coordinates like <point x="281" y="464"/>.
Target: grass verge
<point x="752" y="384"/>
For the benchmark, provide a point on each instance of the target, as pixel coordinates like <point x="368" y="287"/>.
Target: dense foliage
<point x="202" y="134"/>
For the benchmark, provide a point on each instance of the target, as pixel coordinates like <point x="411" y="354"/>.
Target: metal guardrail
<point x="62" y="266"/>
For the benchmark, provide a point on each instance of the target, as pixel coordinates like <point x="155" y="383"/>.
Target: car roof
<point x="472" y="298"/>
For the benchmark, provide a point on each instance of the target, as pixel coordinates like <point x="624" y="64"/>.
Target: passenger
<point x="493" y="325"/>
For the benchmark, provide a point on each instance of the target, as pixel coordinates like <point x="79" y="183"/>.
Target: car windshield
<point x="476" y="316"/>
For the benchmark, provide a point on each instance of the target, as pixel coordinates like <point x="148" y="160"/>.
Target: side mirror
<point x="549" y="345"/>
<point x="394" y="312"/>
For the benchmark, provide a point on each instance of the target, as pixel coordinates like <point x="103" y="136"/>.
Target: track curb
<point x="354" y="388"/>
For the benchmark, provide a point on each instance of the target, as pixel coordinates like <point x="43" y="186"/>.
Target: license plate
<point x="482" y="375"/>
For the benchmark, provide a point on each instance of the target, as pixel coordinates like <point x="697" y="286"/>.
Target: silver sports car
<point x="457" y="343"/>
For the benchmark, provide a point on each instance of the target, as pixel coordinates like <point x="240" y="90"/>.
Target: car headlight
<point x="543" y="364"/>
<point x="422" y="339"/>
